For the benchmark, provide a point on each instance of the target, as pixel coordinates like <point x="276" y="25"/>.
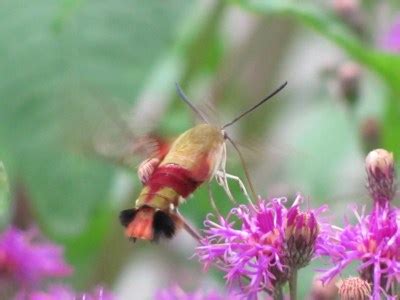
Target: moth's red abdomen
<point x="175" y="177"/>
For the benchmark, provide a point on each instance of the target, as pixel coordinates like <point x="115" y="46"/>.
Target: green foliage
<point x="386" y="65"/>
<point x="70" y="67"/>
<point x="53" y="54"/>
<point x="392" y="123"/>
<point x="4" y="197"/>
<point x="324" y="22"/>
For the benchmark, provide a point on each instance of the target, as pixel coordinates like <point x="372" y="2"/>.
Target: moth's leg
<point x="241" y="184"/>
<point x="221" y="178"/>
<point x="212" y="201"/>
<point x="189" y="228"/>
<point x="239" y="181"/>
<point x="223" y="182"/>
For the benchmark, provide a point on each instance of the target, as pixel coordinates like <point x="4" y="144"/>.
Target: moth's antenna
<point x="246" y="171"/>
<point x="255" y="106"/>
<point x="187" y="101"/>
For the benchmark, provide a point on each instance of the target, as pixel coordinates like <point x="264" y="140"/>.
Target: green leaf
<point x="391" y="125"/>
<point x="53" y="53"/>
<point x="4" y="197"/>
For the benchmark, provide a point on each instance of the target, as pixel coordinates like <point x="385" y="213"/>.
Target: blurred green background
<point x="74" y="72"/>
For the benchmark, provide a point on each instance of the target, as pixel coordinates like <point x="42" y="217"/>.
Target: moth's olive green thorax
<point x="199" y="150"/>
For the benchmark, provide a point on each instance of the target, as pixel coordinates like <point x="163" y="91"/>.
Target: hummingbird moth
<point x="174" y="173"/>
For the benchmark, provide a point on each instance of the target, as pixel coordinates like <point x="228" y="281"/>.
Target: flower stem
<point x="293" y="285"/>
<point x="278" y="295"/>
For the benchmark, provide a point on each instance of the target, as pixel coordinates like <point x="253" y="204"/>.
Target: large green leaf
<point x="52" y="53"/>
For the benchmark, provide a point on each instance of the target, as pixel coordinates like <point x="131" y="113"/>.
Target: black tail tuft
<point x="126" y="216"/>
<point x="163" y="225"/>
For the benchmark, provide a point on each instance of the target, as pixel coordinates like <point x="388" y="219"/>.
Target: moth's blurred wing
<point x="126" y="153"/>
<point x="105" y="128"/>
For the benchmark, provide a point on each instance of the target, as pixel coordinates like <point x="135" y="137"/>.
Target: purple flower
<point x="176" y="293"/>
<point x="373" y="242"/>
<point x="251" y="244"/>
<point x="27" y="259"/>
<point x="60" y="292"/>
<point x="391" y="39"/>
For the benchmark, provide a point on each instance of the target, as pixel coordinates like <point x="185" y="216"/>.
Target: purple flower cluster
<point x="27" y="260"/>
<point x="374" y="240"/>
<point x="176" y="293"/>
<point x="258" y="246"/>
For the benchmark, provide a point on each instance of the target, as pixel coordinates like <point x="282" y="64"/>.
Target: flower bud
<point x="370" y="133"/>
<point x="380" y="170"/>
<point x="349" y="75"/>
<point x="343" y="7"/>
<point x="301" y="233"/>
<point x="319" y="291"/>
<point x="354" y="288"/>
<point x="349" y="11"/>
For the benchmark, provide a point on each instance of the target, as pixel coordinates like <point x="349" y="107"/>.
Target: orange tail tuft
<point x="148" y="223"/>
